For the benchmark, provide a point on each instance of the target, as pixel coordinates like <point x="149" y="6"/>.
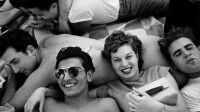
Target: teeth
<point x="68" y="85"/>
<point x="126" y="70"/>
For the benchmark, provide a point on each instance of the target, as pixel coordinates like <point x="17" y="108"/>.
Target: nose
<point x="186" y="53"/>
<point x="15" y="69"/>
<point x="67" y="77"/>
<point x="124" y="62"/>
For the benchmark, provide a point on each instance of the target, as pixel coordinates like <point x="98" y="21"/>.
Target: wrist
<point x="42" y="89"/>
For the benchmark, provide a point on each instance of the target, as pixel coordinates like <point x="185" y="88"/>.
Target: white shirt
<point x="191" y="93"/>
<point x="99" y="11"/>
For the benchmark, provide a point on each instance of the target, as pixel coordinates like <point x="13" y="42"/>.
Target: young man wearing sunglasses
<point x="37" y="61"/>
<point x="74" y="69"/>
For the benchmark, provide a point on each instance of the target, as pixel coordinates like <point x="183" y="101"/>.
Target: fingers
<point x="7" y="108"/>
<point x="28" y="107"/>
<point x="132" y="107"/>
<point x="2" y="65"/>
<point x="132" y="97"/>
<point x="41" y="104"/>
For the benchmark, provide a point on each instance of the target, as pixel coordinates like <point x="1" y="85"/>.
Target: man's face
<point x="20" y="62"/>
<point x="49" y="15"/>
<point x="72" y="87"/>
<point x="185" y="55"/>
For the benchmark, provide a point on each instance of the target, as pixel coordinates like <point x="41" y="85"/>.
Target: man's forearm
<point x="64" y="8"/>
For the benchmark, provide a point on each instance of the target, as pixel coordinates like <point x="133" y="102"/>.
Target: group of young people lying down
<point x="120" y="67"/>
<point x="37" y="60"/>
<point x="77" y="17"/>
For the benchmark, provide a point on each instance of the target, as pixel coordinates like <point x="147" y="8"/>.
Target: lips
<point x="126" y="70"/>
<point x="68" y="84"/>
<point x="191" y="60"/>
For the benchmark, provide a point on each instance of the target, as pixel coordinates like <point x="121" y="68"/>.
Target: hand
<point x="7" y="108"/>
<point x="36" y="23"/>
<point x="2" y="68"/>
<point x="140" y="101"/>
<point x="38" y="96"/>
<point x="3" y="73"/>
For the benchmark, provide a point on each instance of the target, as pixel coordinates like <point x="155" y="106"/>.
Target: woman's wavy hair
<point x="118" y="39"/>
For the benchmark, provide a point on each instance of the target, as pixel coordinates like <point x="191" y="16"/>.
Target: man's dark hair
<point x="118" y="39"/>
<point x="174" y="34"/>
<point x="71" y="52"/>
<point x="17" y="39"/>
<point x="27" y="4"/>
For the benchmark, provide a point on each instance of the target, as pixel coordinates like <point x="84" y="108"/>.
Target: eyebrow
<point x="178" y="50"/>
<point x="12" y="61"/>
<point x="125" y="55"/>
<point x="188" y="45"/>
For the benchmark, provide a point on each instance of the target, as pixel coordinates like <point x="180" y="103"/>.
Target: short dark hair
<point x="17" y="39"/>
<point x="70" y="52"/>
<point x="40" y="4"/>
<point x="118" y="39"/>
<point x="174" y="34"/>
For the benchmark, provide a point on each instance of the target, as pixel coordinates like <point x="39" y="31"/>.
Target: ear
<point x="198" y="47"/>
<point x="89" y="75"/>
<point x="54" y="6"/>
<point x="30" y="49"/>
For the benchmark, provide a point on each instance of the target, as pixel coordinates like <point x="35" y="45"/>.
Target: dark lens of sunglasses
<point x="59" y="73"/>
<point x="73" y="71"/>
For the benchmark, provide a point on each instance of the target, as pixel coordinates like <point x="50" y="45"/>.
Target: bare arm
<point x="41" y="77"/>
<point x="64" y="7"/>
<point x="6" y="6"/>
<point x="7" y="16"/>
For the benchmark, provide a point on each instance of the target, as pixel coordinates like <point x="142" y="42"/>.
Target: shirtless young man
<point x="22" y="52"/>
<point x="74" y="69"/>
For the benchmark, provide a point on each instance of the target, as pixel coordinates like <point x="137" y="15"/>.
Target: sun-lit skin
<point x="125" y="63"/>
<point x="73" y="87"/>
<point x="49" y="15"/>
<point x="185" y="55"/>
<point x="21" y="62"/>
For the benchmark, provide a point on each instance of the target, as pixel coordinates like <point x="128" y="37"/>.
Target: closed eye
<point x="116" y="60"/>
<point x="177" y="53"/>
<point x="189" y="47"/>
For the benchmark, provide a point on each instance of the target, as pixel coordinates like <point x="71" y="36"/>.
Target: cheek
<point x="178" y="62"/>
<point x="115" y="65"/>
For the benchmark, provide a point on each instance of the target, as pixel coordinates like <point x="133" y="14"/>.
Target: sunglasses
<point x="71" y="71"/>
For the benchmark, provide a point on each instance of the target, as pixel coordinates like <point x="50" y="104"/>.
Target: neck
<point x="39" y="55"/>
<point x="130" y="81"/>
<point x="193" y="75"/>
<point x="79" y="99"/>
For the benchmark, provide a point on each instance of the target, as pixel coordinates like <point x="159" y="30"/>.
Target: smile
<point x="126" y="70"/>
<point x="68" y="85"/>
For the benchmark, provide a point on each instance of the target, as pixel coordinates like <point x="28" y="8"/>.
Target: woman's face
<point x="125" y="62"/>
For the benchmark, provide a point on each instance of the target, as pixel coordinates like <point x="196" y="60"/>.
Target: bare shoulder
<point x="50" y="105"/>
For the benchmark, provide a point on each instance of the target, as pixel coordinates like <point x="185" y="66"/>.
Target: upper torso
<point x="94" y="105"/>
<point x="118" y="90"/>
<point x="99" y="11"/>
